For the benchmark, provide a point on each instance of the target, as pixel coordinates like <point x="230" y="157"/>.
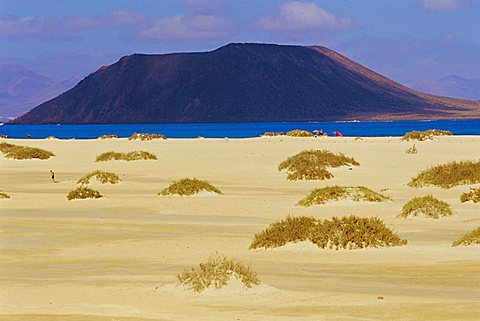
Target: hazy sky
<point x="407" y="40"/>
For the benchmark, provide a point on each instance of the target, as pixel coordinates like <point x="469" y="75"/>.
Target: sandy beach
<point x="117" y="257"/>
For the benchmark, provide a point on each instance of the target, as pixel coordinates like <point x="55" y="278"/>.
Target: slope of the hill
<point x="241" y="83"/>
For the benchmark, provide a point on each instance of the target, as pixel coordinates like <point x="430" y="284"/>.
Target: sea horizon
<point x="351" y="128"/>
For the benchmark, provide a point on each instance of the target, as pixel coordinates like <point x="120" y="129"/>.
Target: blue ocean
<point x="240" y="130"/>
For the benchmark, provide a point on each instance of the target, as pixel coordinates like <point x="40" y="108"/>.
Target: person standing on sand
<point x="53" y="176"/>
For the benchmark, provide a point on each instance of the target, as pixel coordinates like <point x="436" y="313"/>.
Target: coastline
<point x="117" y="257"/>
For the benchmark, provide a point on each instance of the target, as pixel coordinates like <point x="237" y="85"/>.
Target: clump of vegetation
<point x="299" y="133"/>
<point x="217" y="272"/>
<point x="473" y="195"/>
<point x="108" y="136"/>
<point x="131" y="156"/>
<point x="189" y="186"/>
<point x="411" y="150"/>
<point x="428" y="134"/>
<point x="312" y="164"/>
<point x="270" y="134"/>
<point x="143" y="136"/>
<point x="101" y="176"/>
<point x="470" y="238"/>
<point x="24" y="152"/>
<point x="83" y="192"/>
<point x="428" y="206"/>
<point x="350" y="232"/>
<point x="4" y="195"/>
<point x="335" y="193"/>
<point x="291" y="229"/>
<point x="448" y="175"/>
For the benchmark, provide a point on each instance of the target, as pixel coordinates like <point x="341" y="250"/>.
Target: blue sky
<point x="406" y="40"/>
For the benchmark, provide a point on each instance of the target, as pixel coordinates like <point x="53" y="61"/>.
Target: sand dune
<point x="117" y="257"/>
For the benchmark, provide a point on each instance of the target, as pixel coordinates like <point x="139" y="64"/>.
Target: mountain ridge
<point x="242" y="83"/>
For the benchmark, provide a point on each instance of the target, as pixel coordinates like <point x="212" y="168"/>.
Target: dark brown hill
<point x="241" y="83"/>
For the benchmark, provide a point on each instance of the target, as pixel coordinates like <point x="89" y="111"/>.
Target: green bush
<point x="473" y="195"/>
<point x="428" y="206"/>
<point x="356" y="193"/>
<point x="24" y="152"/>
<point x="428" y="134"/>
<point x="312" y="164"/>
<point x="448" y="175"/>
<point x="131" y="156"/>
<point x="102" y="176"/>
<point x="83" y="192"/>
<point x="350" y="232"/>
<point x="216" y="272"/>
<point x="470" y="238"/>
<point x="189" y="186"/>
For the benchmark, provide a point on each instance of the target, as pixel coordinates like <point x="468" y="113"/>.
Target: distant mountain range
<point x="451" y="86"/>
<point x="22" y="89"/>
<point x="242" y="83"/>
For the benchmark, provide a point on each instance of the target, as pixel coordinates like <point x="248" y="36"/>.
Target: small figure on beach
<point x="337" y="134"/>
<point x="318" y="132"/>
<point x="53" y="176"/>
<point x="28" y="136"/>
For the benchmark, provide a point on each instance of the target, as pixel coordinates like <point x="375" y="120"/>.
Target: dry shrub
<point x="299" y="133"/>
<point x="4" y="195"/>
<point x="350" y="232"/>
<point x="411" y="150"/>
<point x="216" y="272"/>
<point x="143" y="136"/>
<point x="354" y="233"/>
<point x="428" y="206"/>
<point x="108" y="136"/>
<point x="131" y="156"/>
<point x="428" y="134"/>
<point x="24" y="152"/>
<point x="291" y="229"/>
<point x="473" y="195"/>
<point x="189" y="186"/>
<point x="270" y="134"/>
<point x="448" y="175"/>
<point x="83" y="192"/>
<point x="470" y="238"/>
<point x="335" y="193"/>
<point x="101" y="176"/>
<point x="312" y="164"/>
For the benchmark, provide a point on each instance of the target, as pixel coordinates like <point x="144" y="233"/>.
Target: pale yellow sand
<point x="116" y="258"/>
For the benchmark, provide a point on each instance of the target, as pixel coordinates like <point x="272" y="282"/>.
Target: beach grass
<point x="144" y="136"/>
<point x="470" y="238"/>
<point x="101" y="176"/>
<point x="24" y="152"/>
<point x="83" y="192"/>
<point x="216" y="272"/>
<point x="448" y="175"/>
<point x="108" y="136"/>
<point x="424" y="135"/>
<point x="131" y="156"/>
<point x="4" y="195"/>
<point x="334" y="193"/>
<point x="189" y="186"/>
<point x="427" y="206"/>
<point x="472" y="196"/>
<point x="272" y="134"/>
<point x="348" y="232"/>
<point x="312" y="164"/>
<point x="299" y="133"/>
